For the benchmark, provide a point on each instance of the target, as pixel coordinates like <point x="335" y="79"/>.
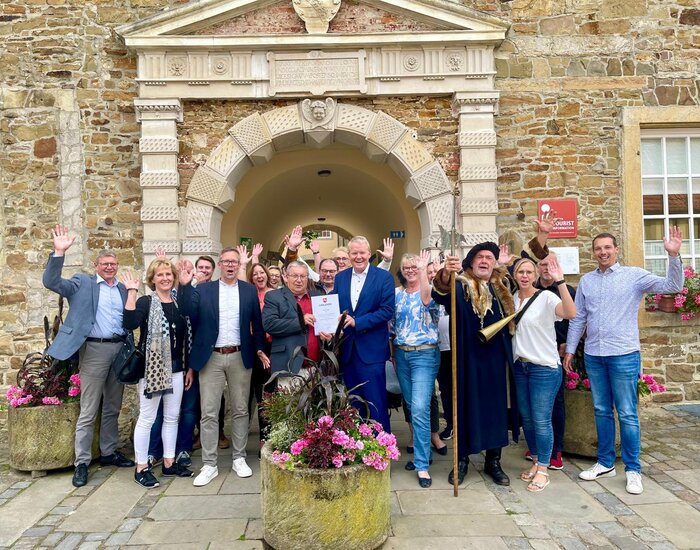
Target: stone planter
<point x="41" y="438"/>
<point x="580" y="437"/>
<point x="346" y="508"/>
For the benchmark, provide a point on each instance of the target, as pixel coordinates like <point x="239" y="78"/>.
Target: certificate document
<point x="326" y="310"/>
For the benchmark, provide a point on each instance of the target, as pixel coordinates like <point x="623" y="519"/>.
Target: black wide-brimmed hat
<point x="488" y="245"/>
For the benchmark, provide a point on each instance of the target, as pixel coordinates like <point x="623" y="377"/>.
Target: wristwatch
<point x="560" y="282"/>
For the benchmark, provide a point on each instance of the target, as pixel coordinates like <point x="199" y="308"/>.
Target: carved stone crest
<point x="318" y="113"/>
<point x="316" y="14"/>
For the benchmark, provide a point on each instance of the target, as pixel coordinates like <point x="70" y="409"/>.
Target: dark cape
<point x="486" y="402"/>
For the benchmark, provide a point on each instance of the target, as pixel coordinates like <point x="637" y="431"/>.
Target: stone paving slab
<point x="30" y="505"/>
<point x="653" y="492"/>
<point x="182" y="486"/>
<point x="689" y="478"/>
<point x="237" y="545"/>
<point x="475" y="499"/>
<point x="192" y="531"/>
<point x="478" y="525"/>
<point x="401" y="479"/>
<point x="105" y="509"/>
<point x="678" y="521"/>
<point x="445" y="543"/>
<point x="206" y="507"/>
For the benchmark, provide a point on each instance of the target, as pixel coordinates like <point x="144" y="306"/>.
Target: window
<point x="670" y="167"/>
<point x="325" y="235"/>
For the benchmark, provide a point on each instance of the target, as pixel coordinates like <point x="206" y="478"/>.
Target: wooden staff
<point x="453" y="349"/>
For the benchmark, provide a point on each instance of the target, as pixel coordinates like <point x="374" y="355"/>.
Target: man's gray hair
<point x="297" y="263"/>
<point x="360" y="240"/>
<point x="105" y="254"/>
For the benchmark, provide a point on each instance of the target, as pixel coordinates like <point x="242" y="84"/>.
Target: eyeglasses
<point x="110" y="264"/>
<point x="341" y="259"/>
<point x="298" y="276"/>
<point x="229" y="262"/>
<point x="410" y="268"/>
<point x="329" y="271"/>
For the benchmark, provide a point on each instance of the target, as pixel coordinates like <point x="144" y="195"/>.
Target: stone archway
<point x="254" y="140"/>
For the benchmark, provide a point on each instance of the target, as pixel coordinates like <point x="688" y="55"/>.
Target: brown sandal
<point x="527" y="475"/>
<point x="536" y="486"/>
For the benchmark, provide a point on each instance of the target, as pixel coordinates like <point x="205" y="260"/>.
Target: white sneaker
<point x="206" y="474"/>
<point x="241" y="467"/>
<point x="596" y="471"/>
<point x="634" y="483"/>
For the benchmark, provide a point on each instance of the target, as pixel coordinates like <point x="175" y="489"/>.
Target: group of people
<point x="201" y="336"/>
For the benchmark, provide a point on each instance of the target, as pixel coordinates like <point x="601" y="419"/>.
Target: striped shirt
<point x="607" y="304"/>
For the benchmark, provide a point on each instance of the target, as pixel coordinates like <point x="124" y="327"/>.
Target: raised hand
<point x="243" y="253"/>
<point x="314" y="246"/>
<point x="504" y="255"/>
<point x="672" y="244"/>
<point x="555" y="270"/>
<point x="257" y="250"/>
<point x="130" y="281"/>
<point x="160" y="253"/>
<point x="185" y="271"/>
<point x="61" y="240"/>
<point x="546" y="224"/>
<point x="387" y="253"/>
<point x="423" y="260"/>
<point x="295" y="239"/>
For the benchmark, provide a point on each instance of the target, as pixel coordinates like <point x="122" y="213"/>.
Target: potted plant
<point x="580" y="436"/>
<point x="686" y="302"/>
<point x="325" y="470"/>
<point x="44" y="407"/>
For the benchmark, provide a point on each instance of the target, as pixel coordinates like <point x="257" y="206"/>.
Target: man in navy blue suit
<point x="367" y="294"/>
<point x="228" y="334"/>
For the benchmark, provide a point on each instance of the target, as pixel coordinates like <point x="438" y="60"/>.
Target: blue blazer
<point x="82" y="293"/>
<point x="369" y="338"/>
<point x="201" y="304"/>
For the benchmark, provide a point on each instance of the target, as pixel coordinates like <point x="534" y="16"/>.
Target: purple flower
<point x="325" y="422"/>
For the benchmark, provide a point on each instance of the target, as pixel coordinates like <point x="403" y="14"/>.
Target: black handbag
<point x="129" y="364"/>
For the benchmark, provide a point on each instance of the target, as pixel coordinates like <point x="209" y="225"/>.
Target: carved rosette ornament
<point x="316" y="14"/>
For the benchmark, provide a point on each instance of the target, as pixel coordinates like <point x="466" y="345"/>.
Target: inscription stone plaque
<point x="317" y="72"/>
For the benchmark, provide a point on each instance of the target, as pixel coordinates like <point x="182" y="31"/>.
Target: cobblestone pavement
<point x="111" y="511"/>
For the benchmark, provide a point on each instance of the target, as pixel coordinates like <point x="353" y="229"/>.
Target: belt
<point x="113" y="340"/>
<point x="228" y="349"/>
<point x="417" y="348"/>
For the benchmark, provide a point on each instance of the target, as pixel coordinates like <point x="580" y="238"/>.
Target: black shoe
<point x="80" y="475"/>
<point x="146" y="479"/>
<point x="410" y="466"/>
<point x="116" y="459"/>
<point x="462" y="467"/>
<point x="446" y="434"/>
<point x="176" y="470"/>
<point x="425" y="482"/>
<point x="441" y="451"/>
<point x="493" y="468"/>
<point x="184" y="459"/>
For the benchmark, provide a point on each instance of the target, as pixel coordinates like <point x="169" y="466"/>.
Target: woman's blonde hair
<point x="155" y="266"/>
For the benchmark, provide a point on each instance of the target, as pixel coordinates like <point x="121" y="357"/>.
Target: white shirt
<point x="356" y="283"/>
<point x="444" y="330"/>
<point x="229" y="316"/>
<point x="535" y="339"/>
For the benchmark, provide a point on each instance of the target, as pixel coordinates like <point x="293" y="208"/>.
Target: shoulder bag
<point x="129" y="364"/>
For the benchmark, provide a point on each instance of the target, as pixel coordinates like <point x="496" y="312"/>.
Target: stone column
<point x="160" y="212"/>
<point x="477" y="160"/>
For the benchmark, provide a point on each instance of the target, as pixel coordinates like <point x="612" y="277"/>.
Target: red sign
<point x="565" y="210"/>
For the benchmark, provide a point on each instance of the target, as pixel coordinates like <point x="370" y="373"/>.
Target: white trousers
<point x="147" y="415"/>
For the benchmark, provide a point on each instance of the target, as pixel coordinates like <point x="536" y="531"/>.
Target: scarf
<point x="479" y="294"/>
<point x="159" y="364"/>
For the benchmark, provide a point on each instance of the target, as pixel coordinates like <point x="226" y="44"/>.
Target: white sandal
<point x="535" y="486"/>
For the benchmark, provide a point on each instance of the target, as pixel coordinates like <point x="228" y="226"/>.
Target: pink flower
<point x="366" y="430"/>
<point x="325" y="422"/>
<point x="657" y="297"/>
<point x="298" y="446"/>
<point x="688" y="271"/>
<point x="570" y="384"/>
<point x="679" y="300"/>
<point x="51" y="401"/>
<point x="573" y="375"/>
<point x="587" y="383"/>
<point x="392" y="452"/>
<point x="280" y="458"/>
<point x="697" y="299"/>
<point x="338" y="460"/>
<point x="75" y="379"/>
<point x="684" y="290"/>
<point x="687" y="316"/>
<point x="73" y="391"/>
<point x="13" y="392"/>
<point x="386" y="439"/>
<point x="340" y="438"/>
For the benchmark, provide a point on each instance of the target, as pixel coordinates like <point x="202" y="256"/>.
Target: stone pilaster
<point x="159" y="181"/>
<point x="477" y="159"/>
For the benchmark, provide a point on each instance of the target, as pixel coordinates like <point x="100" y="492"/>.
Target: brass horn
<point x="486" y="333"/>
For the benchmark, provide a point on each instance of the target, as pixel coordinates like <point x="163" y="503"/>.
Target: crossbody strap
<point x="520" y="314"/>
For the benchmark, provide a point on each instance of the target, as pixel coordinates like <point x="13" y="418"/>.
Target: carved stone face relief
<point x="317" y="113"/>
<point x="316" y="14"/>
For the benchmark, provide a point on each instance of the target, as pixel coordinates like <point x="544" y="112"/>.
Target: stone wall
<point x="567" y="69"/>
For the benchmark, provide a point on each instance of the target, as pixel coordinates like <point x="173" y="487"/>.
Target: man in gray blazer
<point x="93" y="328"/>
<point x="288" y="319"/>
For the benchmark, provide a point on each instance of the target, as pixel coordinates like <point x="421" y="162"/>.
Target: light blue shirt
<point x="110" y="308"/>
<point x="415" y="323"/>
<point x="607" y="304"/>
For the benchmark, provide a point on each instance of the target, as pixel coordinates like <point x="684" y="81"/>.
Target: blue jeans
<point x="189" y="416"/>
<point x="614" y="382"/>
<point x="537" y="386"/>
<point x="417" y="371"/>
